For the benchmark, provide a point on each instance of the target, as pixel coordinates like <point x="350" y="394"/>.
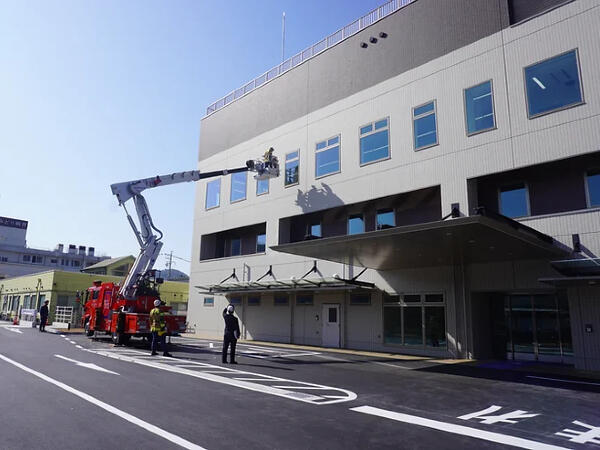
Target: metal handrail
<point x="310" y="52"/>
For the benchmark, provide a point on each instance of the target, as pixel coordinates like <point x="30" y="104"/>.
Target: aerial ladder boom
<point x="148" y="236"/>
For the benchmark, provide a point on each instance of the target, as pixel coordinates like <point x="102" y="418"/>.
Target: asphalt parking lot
<point x="95" y="395"/>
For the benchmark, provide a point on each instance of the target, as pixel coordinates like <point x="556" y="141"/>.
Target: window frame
<point x="526" y="186"/>
<point x="231" y="246"/>
<point x="254" y="300"/>
<point x="562" y="108"/>
<point x="206" y="208"/>
<point x="208" y="304"/>
<point x="245" y="174"/>
<point x="265" y="250"/>
<point x="392" y="210"/>
<point x="314" y="224"/>
<point x="285" y="162"/>
<point x="374" y="131"/>
<point x="312" y="300"/>
<point x="329" y="147"/>
<point x="437" y="134"/>
<point x="286" y="297"/>
<point x="587" y="187"/>
<point x="495" y="125"/>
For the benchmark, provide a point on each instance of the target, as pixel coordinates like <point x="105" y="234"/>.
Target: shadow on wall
<point x="317" y="198"/>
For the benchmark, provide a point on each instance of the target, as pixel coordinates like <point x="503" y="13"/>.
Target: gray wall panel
<point x="421" y="32"/>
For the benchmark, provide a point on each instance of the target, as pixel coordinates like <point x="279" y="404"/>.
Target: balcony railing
<point x="331" y="40"/>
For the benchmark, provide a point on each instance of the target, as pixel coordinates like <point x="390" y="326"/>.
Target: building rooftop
<point x="333" y="39"/>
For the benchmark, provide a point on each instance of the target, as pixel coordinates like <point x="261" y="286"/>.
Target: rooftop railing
<point x="310" y="52"/>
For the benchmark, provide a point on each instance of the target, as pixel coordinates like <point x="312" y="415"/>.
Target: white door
<point x="331" y="325"/>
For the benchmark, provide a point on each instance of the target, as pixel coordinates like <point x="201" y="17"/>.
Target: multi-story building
<point x="440" y="188"/>
<point x="17" y="259"/>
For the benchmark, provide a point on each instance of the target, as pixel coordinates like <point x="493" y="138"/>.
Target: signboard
<point x="13" y="223"/>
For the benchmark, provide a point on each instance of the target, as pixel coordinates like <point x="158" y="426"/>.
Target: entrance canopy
<point x="472" y="239"/>
<point x="302" y="284"/>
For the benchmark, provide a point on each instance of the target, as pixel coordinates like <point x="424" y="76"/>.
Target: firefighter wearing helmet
<point x="158" y="326"/>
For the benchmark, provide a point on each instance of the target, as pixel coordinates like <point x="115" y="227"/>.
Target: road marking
<point x="72" y="342"/>
<point x="457" y="429"/>
<point x="505" y="418"/>
<point x="397" y="366"/>
<point x="87" y="365"/>
<point x="111" y="409"/>
<point x="265" y="384"/>
<point x="563" y="381"/>
<point x="78" y="346"/>
<point x="14" y="330"/>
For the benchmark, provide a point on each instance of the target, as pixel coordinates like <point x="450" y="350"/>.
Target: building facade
<point x="439" y="194"/>
<point x="17" y="259"/>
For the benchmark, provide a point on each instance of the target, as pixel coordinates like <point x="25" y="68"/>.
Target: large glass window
<point x="238" y="186"/>
<point x="479" y="108"/>
<point x="425" y="125"/>
<point x="592" y="181"/>
<point x="314" y="230"/>
<point x="415" y="319"/>
<point x="261" y="243"/>
<point x="514" y="200"/>
<point x="262" y="186"/>
<point x="553" y="84"/>
<point x="374" y="141"/>
<point x="236" y="246"/>
<point x="327" y="157"/>
<point x="356" y="224"/>
<point x="292" y="165"/>
<point x="385" y="219"/>
<point x="213" y="193"/>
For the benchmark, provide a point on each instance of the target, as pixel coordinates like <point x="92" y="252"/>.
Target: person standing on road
<point x="158" y="326"/>
<point x="232" y="333"/>
<point x="43" y="316"/>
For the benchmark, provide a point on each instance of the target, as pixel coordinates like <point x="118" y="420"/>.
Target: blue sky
<point x="97" y="92"/>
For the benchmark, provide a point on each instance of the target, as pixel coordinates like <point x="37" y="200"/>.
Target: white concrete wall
<point x="516" y="142"/>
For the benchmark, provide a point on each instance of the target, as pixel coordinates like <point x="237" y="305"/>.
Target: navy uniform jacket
<point x="44" y="311"/>
<point x="231" y="325"/>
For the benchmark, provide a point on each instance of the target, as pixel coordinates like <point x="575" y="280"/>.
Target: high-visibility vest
<point x="157" y="321"/>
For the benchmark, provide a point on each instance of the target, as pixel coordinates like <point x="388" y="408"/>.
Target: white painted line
<point x="332" y="358"/>
<point x="293" y="355"/>
<point x="87" y="365"/>
<point x="62" y="335"/>
<point x="14" y="330"/>
<point x="397" y="366"/>
<point x="300" y="387"/>
<point x="250" y="379"/>
<point x="563" y="381"/>
<point x="457" y="429"/>
<point x="111" y="409"/>
<point x="72" y="342"/>
<point x="78" y="346"/>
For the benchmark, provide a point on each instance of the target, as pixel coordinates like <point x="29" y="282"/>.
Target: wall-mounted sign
<point x="13" y="223"/>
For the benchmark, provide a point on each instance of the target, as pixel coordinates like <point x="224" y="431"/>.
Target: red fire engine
<point x="123" y="310"/>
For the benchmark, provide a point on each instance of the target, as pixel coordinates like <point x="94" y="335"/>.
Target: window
<point x="53" y="261"/>
<point x="26" y="302"/>
<point x="479" y="108"/>
<point x="281" y="300"/>
<point x="235" y="301"/>
<point x="360" y="299"/>
<point x="261" y="243"/>
<point x="75" y="263"/>
<point x="253" y="301"/>
<point x="315" y="230"/>
<point x="209" y="301"/>
<point x="292" y="166"/>
<point x="26" y="258"/>
<point x="3" y="259"/>
<point x="213" y="193"/>
<point x="553" y="84"/>
<point x="304" y="300"/>
<point x="236" y="246"/>
<point x="327" y="157"/>
<point x="425" y="125"/>
<point x="238" y="187"/>
<point x="262" y="186"/>
<point x="592" y="182"/>
<point x="374" y="142"/>
<point x="356" y="224"/>
<point x="416" y="319"/>
<point x="36" y="259"/>
<point x="385" y="219"/>
<point x="514" y="200"/>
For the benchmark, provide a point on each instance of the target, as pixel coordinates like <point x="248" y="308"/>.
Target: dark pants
<point x="43" y="321"/>
<point x="226" y="341"/>
<point x="163" y="342"/>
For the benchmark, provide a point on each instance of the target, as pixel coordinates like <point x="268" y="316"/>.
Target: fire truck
<point x="123" y="310"/>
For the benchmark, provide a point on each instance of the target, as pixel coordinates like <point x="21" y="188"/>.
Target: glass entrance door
<point x="539" y="328"/>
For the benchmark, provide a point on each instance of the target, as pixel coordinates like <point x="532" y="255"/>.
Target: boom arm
<point x="150" y="243"/>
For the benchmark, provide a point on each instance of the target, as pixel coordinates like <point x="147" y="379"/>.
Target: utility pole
<point x="170" y="263"/>
<point x="283" y="37"/>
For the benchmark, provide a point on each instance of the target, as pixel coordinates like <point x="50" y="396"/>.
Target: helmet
<point x="230" y="309"/>
<point x="156" y="302"/>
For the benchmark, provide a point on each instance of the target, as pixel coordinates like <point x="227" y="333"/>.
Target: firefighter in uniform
<point x="158" y="326"/>
<point x="231" y="335"/>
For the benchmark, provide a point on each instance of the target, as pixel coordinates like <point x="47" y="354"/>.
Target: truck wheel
<point x="88" y="332"/>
